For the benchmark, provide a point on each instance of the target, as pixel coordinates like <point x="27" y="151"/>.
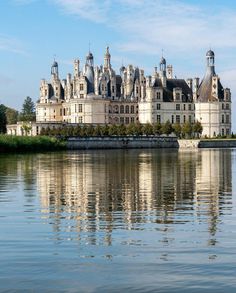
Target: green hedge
<point x="29" y="143"/>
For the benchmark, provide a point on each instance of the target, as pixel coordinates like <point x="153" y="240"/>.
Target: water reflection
<point x="89" y="195"/>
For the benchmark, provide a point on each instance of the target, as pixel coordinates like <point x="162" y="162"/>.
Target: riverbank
<point x="131" y="142"/>
<point x="46" y="143"/>
<point x="30" y="144"/>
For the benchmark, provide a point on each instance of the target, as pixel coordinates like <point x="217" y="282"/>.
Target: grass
<point x="29" y="143"/>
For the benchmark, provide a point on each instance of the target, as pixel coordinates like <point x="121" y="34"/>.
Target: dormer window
<point x="177" y="96"/>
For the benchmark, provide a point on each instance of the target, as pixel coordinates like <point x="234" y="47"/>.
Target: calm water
<point x="118" y="221"/>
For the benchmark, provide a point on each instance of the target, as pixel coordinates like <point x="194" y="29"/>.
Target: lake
<point x="118" y="221"/>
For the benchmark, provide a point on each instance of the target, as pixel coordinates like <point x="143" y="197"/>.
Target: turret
<point x="54" y="70"/>
<point x="76" y="67"/>
<point x="107" y="59"/>
<point x="163" y="71"/>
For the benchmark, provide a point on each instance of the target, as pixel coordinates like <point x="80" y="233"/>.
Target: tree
<point x="11" y="116"/>
<point x="197" y="128"/>
<point x="138" y="128"/>
<point x="148" y="129"/>
<point x="98" y="130"/>
<point x="157" y="128"/>
<point x="167" y="128"/>
<point x="121" y="129"/>
<point x="177" y="129"/>
<point x="28" y="110"/>
<point x="187" y="129"/>
<point x="113" y="130"/>
<point x="3" y="120"/>
<point x="26" y="128"/>
<point x="105" y="130"/>
<point x="131" y="129"/>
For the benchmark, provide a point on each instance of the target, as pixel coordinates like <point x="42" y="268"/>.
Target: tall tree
<point x="197" y="128"/>
<point x="28" y="110"/>
<point x="11" y="116"/>
<point x="3" y="119"/>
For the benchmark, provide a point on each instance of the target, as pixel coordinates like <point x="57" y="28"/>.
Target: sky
<point x="34" y="32"/>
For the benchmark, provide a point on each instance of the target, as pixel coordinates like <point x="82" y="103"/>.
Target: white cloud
<point x="11" y="44"/>
<point x="145" y="24"/>
<point x="93" y="10"/>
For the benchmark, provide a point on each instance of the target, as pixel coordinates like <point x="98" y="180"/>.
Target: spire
<point x="107" y="59"/>
<point x="210" y="56"/>
<point x="54" y="68"/>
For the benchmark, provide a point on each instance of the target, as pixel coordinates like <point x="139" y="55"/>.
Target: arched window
<point x="127" y="109"/>
<point x="122" y="109"/>
<point x="132" y="109"/>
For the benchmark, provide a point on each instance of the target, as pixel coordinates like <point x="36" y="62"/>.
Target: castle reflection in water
<point x="103" y="190"/>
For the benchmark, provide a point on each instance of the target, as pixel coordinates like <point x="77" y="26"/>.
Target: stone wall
<point x="122" y="142"/>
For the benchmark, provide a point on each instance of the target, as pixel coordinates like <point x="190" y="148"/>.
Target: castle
<point x="97" y="95"/>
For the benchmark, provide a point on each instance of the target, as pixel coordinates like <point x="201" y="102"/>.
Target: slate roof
<point x="205" y="89"/>
<point x="170" y="85"/>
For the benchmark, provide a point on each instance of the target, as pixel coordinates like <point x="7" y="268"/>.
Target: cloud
<point x="146" y="25"/>
<point x="96" y="11"/>
<point x="11" y="44"/>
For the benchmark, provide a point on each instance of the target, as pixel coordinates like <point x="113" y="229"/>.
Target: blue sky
<point x="33" y="31"/>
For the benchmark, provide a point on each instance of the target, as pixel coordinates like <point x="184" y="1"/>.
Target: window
<point x="122" y="120"/>
<point x="60" y="112"/>
<point x="172" y="119"/>
<point x="81" y="96"/>
<point x="227" y="131"/>
<point x="223" y="106"/>
<point x="184" y="106"/>
<point x="113" y="89"/>
<point x="64" y="112"/>
<point x="222" y="131"/>
<point x="190" y="119"/>
<point x="227" y="106"/>
<point x="189" y="107"/>
<point x="158" y="106"/>
<point x="80" y="119"/>
<point x="122" y="109"/>
<point x="81" y="87"/>
<point x="126" y="120"/>
<point x="177" y="96"/>
<point x="177" y="107"/>
<point x="223" y="119"/>
<point x="158" y="118"/>
<point x="158" y="95"/>
<point x="136" y="90"/>
<point x="132" y="119"/>
<point x="132" y="109"/>
<point x="127" y="109"/>
<point x="177" y="118"/>
<point x="184" y="118"/>
<point x="227" y="119"/>
<point x="80" y="108"/>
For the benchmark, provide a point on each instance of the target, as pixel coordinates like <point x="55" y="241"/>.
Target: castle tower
<point x="89" y="59"/>
<point x="107" y="60"/>
<point x="54" y="70"/>
<point x="163" y="71"/>
<point x="210" y="106"/>
<point x="76" y="67"/>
